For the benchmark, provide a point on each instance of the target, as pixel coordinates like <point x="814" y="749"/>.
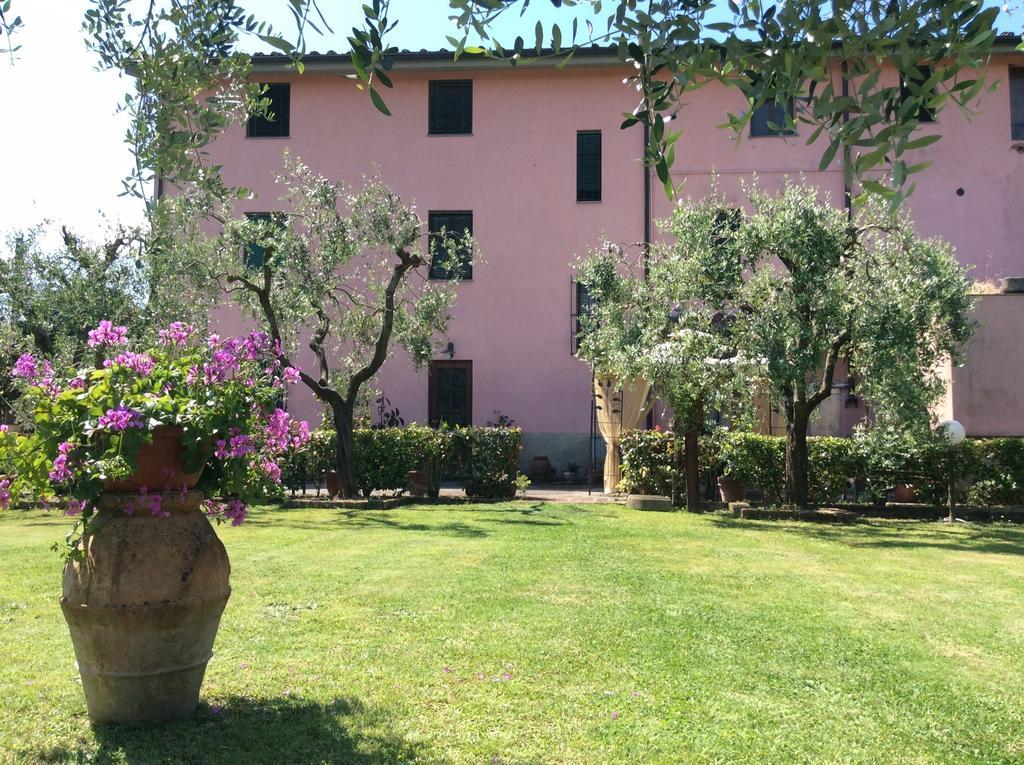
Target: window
<point x="588" y="166"/>
<point x="451" y="393"/>
<point x="453" y="225"/>
<point x="255" y="253"/>
<point x="770" y="119"/>
<point x="1017" y="103"/>
<point x="582" y="305"/>
<point x="275" y="124"/>
<point x="907" y="87"/>
<point x="451" y="107"/>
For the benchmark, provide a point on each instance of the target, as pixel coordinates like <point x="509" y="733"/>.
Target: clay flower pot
<point x="731" y="489"/>
<point x="903" y="492"/>
<point x="159" y="466"/>
<point x="332" y="483"/>
<point x="418" y="482"/>
<point x="144" y="601"/>
<point x="143" y="607"/>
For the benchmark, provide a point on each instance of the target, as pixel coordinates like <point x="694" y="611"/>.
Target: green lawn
<point x="527" y="633"/>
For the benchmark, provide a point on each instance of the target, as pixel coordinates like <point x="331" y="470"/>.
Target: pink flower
<point x="615" y="715"/>
<point x="140" y="363"/>
<point x="177" y="333"/>
<point x="221" y="451"/>
<point x="236" y="511"/>
<point x="256" y="344"/>
<point x="291" y="375"/>
<point x="154" y="501"/>
<point x="75" y="506"/>
<point x="272" y="470"/>
<point x="301" y="436"/>
<point x="5" y="494"/>
<point x="213" y="341"/>
<point x="240" y="445"/>
<point x="120" y="419"/>
<point x="107" y="334"/>
<point x="26" y="367"/>
<point x="76" y="383"/>
<point x="61" y="472"/>
<point x="278" y="430"/>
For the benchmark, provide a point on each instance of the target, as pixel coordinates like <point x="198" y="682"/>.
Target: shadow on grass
<point x="250" y="731"/>
<point x="529" y="515"/>
<point x="975" y="537"/>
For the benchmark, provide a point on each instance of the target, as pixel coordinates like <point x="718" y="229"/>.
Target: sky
<point x="62" y="140"/>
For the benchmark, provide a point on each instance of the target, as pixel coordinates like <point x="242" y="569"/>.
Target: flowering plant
<point x="222" y="393"/>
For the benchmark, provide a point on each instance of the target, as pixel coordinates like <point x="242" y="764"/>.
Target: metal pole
<point x="952" y="485"/>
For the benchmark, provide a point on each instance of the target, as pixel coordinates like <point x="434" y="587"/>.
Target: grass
<point x="531" y="633"/>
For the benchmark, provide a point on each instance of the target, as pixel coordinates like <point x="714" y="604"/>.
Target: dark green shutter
<point x="588" y="166"/>
<point x="277" y="126"/>
<point x="455" y="224"/>
<point x="450" y="109"/>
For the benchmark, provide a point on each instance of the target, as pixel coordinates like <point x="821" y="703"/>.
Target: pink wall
<point x="987" y="391"/>
<point x="517" y="173"/>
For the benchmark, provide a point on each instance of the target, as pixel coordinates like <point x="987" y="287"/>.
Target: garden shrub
<point x="833" y="463"/>
<point x="490" y="459"/>
<point x="384" y="456"/>
<point x="485" y="459"/>
<point x="647" y="462"/>
<point x="757" y="460"/>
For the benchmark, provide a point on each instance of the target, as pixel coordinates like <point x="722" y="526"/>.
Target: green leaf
<point x="379" y="102"/>
<point x="278" y="42"/>
<point x="828" y="155"/>
<point x="922" y="142"/>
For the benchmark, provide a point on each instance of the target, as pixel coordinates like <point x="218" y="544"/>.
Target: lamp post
<point x="954" y="434"/>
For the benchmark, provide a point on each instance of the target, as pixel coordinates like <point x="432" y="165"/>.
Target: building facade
<point x="533" y="162"/>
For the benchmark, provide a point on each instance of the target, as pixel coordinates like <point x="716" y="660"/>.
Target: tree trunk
<point x="692" y="470"/>
<point x="674" y="461"/>
<point x="345" y="458"/>
<point x="796" y="455"/>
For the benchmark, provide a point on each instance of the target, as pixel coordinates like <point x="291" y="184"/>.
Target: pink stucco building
<point x="533" y="159"/>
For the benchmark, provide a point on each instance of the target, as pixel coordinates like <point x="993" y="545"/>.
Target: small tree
<point x="640" y="326"/>
<point x="807" y="288"/>
<point x="344" y="267"/>
<point x="51" y="295"/>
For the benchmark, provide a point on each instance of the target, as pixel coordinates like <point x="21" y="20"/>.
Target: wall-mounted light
<point x="449" y="350"/>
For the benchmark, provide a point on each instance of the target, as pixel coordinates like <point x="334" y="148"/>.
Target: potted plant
<point x="571" y="472"/>
<point x="732" y="485"/>
<point x="144" y="449"/>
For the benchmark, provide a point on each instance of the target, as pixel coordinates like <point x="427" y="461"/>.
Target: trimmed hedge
<point x="990" y="471"/>
<point x="647" y="462"/>
<point x="484" y="458"/>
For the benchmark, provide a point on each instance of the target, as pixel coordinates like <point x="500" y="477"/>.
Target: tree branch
<point x="407" y="261"/>
<point x="825" y="389"/>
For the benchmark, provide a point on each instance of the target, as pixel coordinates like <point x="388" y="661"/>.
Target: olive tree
<point x="341" y="269"/>
<point x="807" y="287"/>
<point x="641" y="325"/>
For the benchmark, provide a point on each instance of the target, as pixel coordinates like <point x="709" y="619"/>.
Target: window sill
<point x="266" y="137"/>
<point x="449" y="135"/>
<point x="589" y="201"/>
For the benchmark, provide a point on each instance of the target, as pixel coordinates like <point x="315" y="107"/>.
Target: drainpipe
<point x="847" y="167"/>
<point x="647" y="230"/>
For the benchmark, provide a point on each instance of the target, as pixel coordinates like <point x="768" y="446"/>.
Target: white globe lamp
<point x="953" y="432"/>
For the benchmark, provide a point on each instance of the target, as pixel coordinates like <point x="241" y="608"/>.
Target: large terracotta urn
<point x="144" y="601"/>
